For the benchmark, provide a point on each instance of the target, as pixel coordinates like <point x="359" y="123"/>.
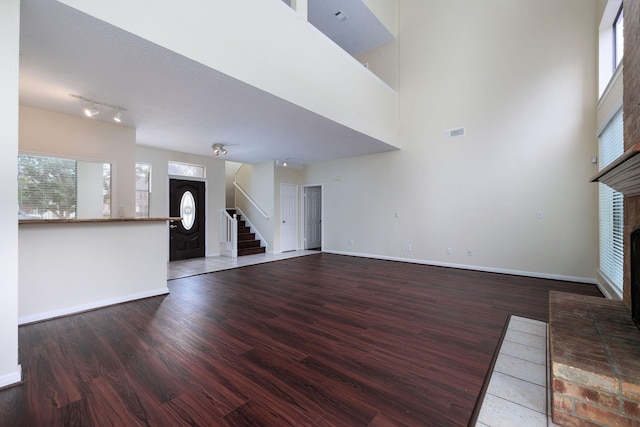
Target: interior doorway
<point x="288" y="217"/>
<point x="313" y="217"/>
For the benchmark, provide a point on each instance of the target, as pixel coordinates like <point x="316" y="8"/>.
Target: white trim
<point x="90" y="306"/>
<point x="13" y="378"/>
<point x="606" y="286"/>
<point x="472" y="267"/>
<point x="616" y="75"/>
<point x="616" y="106"/>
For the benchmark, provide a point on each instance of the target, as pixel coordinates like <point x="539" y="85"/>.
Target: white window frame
<point x="140" y="211"/>
<point x="607" y="45"/>
<point x="611" y="206"/>
<point x="186" y="169"/>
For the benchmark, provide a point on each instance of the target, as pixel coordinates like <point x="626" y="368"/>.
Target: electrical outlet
<point x="350" y="242"/>
<point x="408" y="248"/>
<point x="469" y="252"/>
<point x="540" y="215"/>
<point x="449" y="251"/>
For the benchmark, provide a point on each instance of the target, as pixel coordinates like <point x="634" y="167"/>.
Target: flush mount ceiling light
<point x="219" y="149"/>
<point x="93" y="110"/>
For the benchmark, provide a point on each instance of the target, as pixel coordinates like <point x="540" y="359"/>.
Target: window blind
<point x="46" y="187"/>
<point x="611" y="203"/>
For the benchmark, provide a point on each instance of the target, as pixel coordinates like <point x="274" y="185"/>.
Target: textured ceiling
<point x="173" y="102"/>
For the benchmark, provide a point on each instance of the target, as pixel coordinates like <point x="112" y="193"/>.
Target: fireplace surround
<point x="595" y="343"/>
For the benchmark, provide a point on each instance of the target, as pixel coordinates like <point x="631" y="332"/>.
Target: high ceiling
<point x="173" y="102"/>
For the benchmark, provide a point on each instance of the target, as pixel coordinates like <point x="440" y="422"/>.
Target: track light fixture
<point x="93" y="111"/>
<point x="287" y="163"/>
<point x="219" y="149"/>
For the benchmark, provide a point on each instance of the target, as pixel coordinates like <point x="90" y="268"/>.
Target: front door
<point x="187" y="237"/>
<point x="288" y="215"/>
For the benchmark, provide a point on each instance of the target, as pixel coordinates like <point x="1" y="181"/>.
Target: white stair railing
<point x="253" y="228"/>
<point x="229" y="232"/>
<point x="250" y="200"/>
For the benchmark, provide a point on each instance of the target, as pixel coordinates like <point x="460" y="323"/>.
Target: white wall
<point x="258" y="182"/>
<point x="383" y="62"/>
<point x="521" y="78"/>
<point x="80" y="138"/>
<point x="230" y="169"/>
<point x="10" y="371"/>
<point x="387" y="12"/>
<point x="159" y="198"/>
<point x="71" y="267"/>
<point x="261" y="43"/>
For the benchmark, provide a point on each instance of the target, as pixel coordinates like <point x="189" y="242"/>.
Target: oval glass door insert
<point x="188" y="210"/>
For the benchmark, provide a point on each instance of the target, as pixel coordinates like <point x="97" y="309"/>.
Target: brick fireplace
<point x="595" y="345"/>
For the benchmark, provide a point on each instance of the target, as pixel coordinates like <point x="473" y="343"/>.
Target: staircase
<point x="247" y="242"/>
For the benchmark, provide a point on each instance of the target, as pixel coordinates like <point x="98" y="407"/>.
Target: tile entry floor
<point x="517" y="391"/>
<point x="194" y="266"/>
<point x="517" y="394"/>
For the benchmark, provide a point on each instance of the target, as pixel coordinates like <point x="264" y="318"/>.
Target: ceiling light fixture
<point x="93" y="110"/>
<point x="90" y="112"/>
<point x="287" y="163"/>
<point x="219" y="149"/>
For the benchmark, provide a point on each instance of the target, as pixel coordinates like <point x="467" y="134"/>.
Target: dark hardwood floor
<point x="320" y="340"/>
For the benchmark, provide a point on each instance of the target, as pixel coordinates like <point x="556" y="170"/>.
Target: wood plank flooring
<point x="321" y="340"/>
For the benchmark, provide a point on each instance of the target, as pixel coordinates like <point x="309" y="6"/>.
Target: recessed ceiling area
<point x="173" y="102"/>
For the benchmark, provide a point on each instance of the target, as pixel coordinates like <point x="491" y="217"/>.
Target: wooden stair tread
<point x="247" y="242"/>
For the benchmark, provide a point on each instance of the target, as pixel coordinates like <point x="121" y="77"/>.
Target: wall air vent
<point x="341" y="15"/>
<point x="450" y="133"/>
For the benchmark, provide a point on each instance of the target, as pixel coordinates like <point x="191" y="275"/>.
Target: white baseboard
<point x="608" y="289"/>
<point x="90" y="306"/>
<point x="13" y="378"/>
<point x="472" y="267"/>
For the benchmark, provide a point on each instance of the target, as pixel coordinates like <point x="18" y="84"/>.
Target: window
<point x="56" y="188"/>
<point x="143" y="189"/>
<point x="186" y="169"/>
<point x="611" y="206"/>
<point x="610" y="45"/>
<point x="618" y="38"/>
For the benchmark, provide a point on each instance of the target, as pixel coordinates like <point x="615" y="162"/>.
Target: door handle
<point x="173" y="226"/>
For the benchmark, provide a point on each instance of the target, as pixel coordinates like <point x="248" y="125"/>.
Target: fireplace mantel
<point x="623" y="174"/>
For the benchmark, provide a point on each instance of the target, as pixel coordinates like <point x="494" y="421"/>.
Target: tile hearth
<point x="517" y="392"/>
